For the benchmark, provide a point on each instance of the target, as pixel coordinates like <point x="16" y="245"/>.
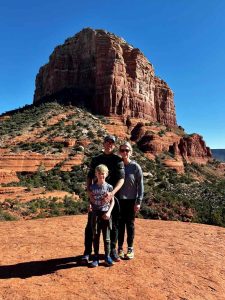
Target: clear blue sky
<point x="183" y="39"/>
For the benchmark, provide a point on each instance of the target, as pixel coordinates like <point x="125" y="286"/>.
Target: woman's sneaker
<point x="95" y="262"/>
<point x="108" y="261"/>
<point x="130" y="253"/>
<point x="121" y="253"/>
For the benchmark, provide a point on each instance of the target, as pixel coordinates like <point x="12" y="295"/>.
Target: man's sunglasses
<point x="125" y="150"/>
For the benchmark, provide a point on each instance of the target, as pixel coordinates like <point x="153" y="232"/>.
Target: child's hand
<point x="106" y="216"/>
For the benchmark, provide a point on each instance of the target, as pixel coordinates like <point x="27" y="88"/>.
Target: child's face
<point x="101" y="176"/>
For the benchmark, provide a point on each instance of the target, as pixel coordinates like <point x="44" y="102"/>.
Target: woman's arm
<point x="140" y="188"/>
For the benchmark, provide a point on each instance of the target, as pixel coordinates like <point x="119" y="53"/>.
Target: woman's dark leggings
<point x="127" y="217"/>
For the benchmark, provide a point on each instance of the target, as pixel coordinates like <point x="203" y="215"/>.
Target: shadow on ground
<point x="38" y="268"/>
<point x="42" y="267"/>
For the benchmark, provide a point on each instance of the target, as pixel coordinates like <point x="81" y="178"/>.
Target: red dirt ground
<point x="173" y="260"/>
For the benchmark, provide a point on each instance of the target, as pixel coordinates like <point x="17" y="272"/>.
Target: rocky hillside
<point x="104" y="73"/>
<point x="173" y="260"/>
<point x="46" y="150"/>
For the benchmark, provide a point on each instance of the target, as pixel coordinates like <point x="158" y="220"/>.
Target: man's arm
<point x="118" y="186"/>
<point x="121" y="176"/>
<point x="90" y="197"/>
<point x="90" y="178"/>
<point x="110" y="195"/>
<point x="120" y="172"/>
<point x="88" y="183"/>
<point x="140" y="189"/>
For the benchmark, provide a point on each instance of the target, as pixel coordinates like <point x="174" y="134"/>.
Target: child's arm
<point x="108" y="213"/>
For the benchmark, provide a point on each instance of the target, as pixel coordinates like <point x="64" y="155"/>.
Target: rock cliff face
<point x="104" y="73"/>
<point x="193" y="146"/>
<point x="7" y="176"/>
<point x="190" y="148"/>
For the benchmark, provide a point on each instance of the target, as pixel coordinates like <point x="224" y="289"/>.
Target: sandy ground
<point x="173" y="260"/>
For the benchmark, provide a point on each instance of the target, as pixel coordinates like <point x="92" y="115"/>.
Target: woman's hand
<point x="137" y="207"/>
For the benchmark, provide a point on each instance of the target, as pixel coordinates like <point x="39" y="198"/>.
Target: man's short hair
<point x="110" y="138"/>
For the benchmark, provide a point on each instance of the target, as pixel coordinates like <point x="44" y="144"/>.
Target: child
<point x="101" y="214"/>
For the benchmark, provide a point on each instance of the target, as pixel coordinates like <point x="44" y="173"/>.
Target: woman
<point x="130" y="197"/>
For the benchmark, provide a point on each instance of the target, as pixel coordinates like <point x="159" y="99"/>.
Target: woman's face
<point x="125" y="151"/>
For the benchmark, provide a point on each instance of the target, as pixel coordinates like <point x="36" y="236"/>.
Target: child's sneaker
<point x="121" y="253"/>
<point x="115" y="257"/>
<point x="84" y="260"/>
<point x="108" y="261"/>
<point x="130" y="253"/>
<point x="95" y="262"/>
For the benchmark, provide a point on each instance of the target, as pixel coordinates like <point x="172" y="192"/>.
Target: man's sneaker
<point x="84" y="260"/>
<point x="115" y="257"/>
<point x="121" y="253"/>
<point x="130" y="253"/>
<point x="108" y="261"/>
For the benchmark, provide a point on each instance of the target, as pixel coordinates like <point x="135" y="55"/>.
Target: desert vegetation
<point x="198" y="195"/>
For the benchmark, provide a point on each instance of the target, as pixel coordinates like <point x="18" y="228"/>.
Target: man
<point x="116" y="179"/>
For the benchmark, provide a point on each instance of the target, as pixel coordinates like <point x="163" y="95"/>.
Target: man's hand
<point x="89" y="207"/>
<point x="107" y="197"/>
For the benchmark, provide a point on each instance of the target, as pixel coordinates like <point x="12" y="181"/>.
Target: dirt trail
<point x="173" y="261"/>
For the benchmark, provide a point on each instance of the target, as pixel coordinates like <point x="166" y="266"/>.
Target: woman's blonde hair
<point x="128" y="145"/>
<point x="102" y="169"/>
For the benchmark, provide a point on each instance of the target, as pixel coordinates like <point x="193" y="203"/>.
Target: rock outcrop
<point x="101" y="71"/>
<point x="32" y="162"/>
<point x="24" y="194"/>
<point x="193" y="146"/>
<point x="7" y="176"/>
<point x="189" y="148"/>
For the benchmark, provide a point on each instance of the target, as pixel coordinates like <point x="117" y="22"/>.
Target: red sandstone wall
<point x="103" y="72"/>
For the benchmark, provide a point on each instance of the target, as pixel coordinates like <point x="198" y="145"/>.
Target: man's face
<point x="109" y="146"/>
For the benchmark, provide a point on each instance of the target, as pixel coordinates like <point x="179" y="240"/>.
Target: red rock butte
<point x="104" y="73"/>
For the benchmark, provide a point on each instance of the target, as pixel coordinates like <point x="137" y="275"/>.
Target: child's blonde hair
<point x="102" y="169"/>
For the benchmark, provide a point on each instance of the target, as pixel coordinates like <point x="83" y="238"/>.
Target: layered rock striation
<point x="101" y="71"/>
<point x="188" y="148"/>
